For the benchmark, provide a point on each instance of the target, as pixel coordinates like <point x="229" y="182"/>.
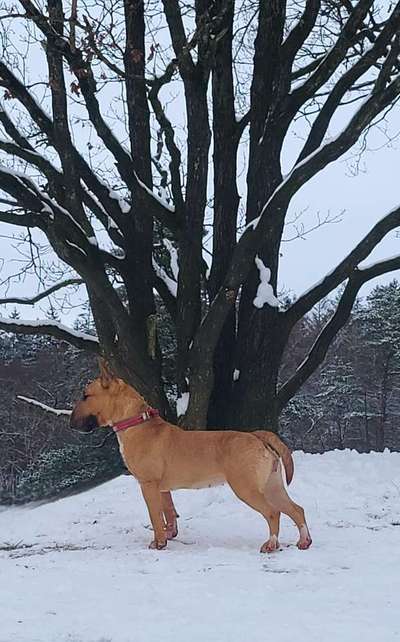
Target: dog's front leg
<point x="170" y="514"/>
<point x="152" y="496"/>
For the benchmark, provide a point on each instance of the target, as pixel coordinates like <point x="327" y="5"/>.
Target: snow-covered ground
<point x="79" y="570"/>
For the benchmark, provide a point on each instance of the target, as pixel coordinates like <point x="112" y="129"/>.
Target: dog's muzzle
<point x="84" y="424"/>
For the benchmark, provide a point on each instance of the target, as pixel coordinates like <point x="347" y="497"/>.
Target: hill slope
<point x="79" y="570"/>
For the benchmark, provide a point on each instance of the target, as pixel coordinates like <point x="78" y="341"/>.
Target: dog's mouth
<point x="86" y="425"/>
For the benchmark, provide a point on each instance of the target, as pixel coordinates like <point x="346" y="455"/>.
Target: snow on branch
<point x="153" y="195"/>
<point x="321" y="157"/>
<point x="273" y="213"/>
<point x="372" y="270"/>
<point x="55" y="411"/>
<point x="343" y="270"/>
<point x="30" y="196"/>
<point x="51" y="328"/>
<point x="170" y="283"/>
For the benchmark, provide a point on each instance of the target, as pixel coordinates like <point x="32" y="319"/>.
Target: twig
<point x="43" y="406"/>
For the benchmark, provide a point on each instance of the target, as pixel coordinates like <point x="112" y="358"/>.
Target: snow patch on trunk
<point x="182" y="403"/>
<point x="265" y="292"/>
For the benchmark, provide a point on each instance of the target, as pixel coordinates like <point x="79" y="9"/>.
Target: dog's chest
<point x="134" y="459"/>
<point x="121" y="449"/>
<point x="123" y="452"/>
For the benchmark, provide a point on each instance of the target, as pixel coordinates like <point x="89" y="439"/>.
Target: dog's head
<point x="100" y="402"/>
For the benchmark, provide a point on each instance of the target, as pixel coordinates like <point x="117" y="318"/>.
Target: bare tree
<point x="244" y="72"/>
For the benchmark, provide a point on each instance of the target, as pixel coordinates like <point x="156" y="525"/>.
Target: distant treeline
<point x="352" y="401"/>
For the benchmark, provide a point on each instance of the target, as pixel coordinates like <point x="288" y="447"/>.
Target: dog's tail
<point x="272" y="441"/>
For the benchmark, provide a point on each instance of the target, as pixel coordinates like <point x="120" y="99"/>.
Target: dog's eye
<point x="85" y="396"/>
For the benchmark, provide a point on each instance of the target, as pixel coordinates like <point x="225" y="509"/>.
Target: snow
<point x="79" y="570"/>
<point x="74" y="245"/>
<point x="47" y="210"/>
<point x="367" y="265"/>
<point x="253" y="224"/>
<point x="20" y="175"/>
<point x="111" y="224"/>
<point x="123" y="203"/>
<point x="93" y="241"/>
<point x="265" y="292"/>
<point x="182" y="403"/>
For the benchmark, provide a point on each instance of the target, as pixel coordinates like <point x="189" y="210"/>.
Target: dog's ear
<point x="106" y="374"/>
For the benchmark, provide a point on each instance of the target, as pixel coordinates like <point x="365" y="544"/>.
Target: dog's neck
<point x="131" y="405"/>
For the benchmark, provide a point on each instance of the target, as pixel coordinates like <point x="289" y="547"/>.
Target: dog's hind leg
<point x="152" y="496"/>
<point x="273" y="519"/>
<point x="247" y="490"/>
<point x="276" y="495"/>
<point x="170" y="515"/>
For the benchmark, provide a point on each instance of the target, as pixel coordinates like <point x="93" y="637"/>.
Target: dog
<point x="164" y="457"/>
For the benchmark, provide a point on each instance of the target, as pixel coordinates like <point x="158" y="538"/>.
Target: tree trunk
<point x="260" y="354"/>
<point x="226" y="203"/>
<point x="380" y="433"/>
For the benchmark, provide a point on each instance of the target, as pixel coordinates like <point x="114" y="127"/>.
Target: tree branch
<point x="59" y="185"/>
<point x="343" y="270"/>
<point x="301" y="31"/>
<point x="27" y="196"/>
<point x="201" y="354"/>
<point x="332" y="59"/>
<point x="43" y="406"/>
<point x="318" y="351"/>
<point x="87" y="83"/>
<point x="41" y="295"/>
<point x="168" y="130"/>
<point x="347" y="80"/>
<point x="178" y="37"/>
<point x="54" y="329"/>
<point x="45" y="124"/>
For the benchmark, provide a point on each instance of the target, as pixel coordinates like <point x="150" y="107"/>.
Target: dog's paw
<point x="156" y="545"/>
<point x="271" y="545"/>
<point x="303" y="544"/>
<point x="305" y="540"/>
<point x="172" y="531"/>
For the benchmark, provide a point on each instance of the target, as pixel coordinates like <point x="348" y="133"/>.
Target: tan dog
<point x="164" y="457"/>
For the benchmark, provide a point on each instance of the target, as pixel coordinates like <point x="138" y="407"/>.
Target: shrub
<point x="68" y="469"/>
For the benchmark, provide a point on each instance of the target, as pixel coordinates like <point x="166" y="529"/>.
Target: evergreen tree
<point x="378" y="365"/>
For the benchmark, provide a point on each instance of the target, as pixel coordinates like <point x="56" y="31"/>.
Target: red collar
<point x="135" y="421"/>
